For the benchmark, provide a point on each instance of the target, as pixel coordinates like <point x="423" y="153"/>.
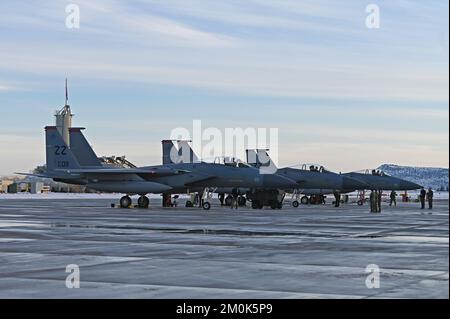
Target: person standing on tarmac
<point x="221" y="198"/>
<point x="235" y="194"/>
<point x="422" y="195"/>
<point x="393" y="198"/>
<point x="372" y="201"/>
<point x="375" y="203"/>
<point x="337" y="198"/>
<point x="175" y="201"/>
<point x="380" y="193"/>
<point x="430" y="198"/>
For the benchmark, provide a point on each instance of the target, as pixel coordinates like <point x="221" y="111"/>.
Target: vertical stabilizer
<point x="80" y="147"/>
<point x="58" y="153"/>
<point x="169" y="152"/>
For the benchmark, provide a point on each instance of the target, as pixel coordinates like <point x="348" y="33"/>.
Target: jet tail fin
<point x="264" y="159"/>
<point x="184" y="153"/>
<point x="169" y="152"/>
<point x="58" y="154"/>
<point x="260" y="159"/>
<point x="81" y="149"/>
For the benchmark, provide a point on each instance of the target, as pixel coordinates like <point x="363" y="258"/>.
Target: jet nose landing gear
<point x="207" y="195"/>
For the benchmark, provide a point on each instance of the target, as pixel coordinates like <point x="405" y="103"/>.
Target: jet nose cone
<point x="350" y="183"/>
<point x="277" y="181"/>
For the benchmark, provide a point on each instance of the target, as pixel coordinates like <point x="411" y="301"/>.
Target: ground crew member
<point x="196" y="199"/>
<point x="422" y="198"/>
<point x="235" y="194"/>
<point x="430" y="198"/>
<point x="221" y="198"/>
<point x="372" y="201"/>
<point x="337" y="198"/>
<point x="380" y="193"/>
<point x="175" y="201"/>
<point x="393" y="199"/>
<point x="375" y="201"/>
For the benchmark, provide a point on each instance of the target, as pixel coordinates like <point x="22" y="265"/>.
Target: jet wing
<point x="200" y="180"/>
<point x="33" y="175"/>
<point x="124" y="171"/>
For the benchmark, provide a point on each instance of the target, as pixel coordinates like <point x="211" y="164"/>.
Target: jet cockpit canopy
<point x="375" y="172"/>
<point x="313" y="167"/>
<point x="230" y="161"/>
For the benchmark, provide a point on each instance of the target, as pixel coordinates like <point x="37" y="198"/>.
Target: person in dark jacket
<point x="430" y="198"/>
<point x="337" y="198"/>
<point x="379" y="194"/>
<point x="372" y="201"/>
<point x="422" y="195"/>
<point x="393" y="197"/>
<point x="235" y="193"/>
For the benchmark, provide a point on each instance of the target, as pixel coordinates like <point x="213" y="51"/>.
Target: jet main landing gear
<point x="125" y="202"/>
<point x="143" y="202"/>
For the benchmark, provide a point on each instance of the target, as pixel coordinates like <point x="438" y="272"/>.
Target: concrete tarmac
<point x="306" y="252"/>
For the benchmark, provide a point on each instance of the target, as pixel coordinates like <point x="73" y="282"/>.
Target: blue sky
<point x="341" y="94"/>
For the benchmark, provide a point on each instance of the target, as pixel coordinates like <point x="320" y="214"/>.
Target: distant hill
<point x="436" y="178"/>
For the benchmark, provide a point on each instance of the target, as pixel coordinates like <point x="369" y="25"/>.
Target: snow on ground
<point x="412" y="195"/>
<point x="68" y="196"/>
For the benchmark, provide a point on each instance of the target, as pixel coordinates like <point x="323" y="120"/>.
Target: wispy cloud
<point x="142" y="44"/>
<point x="5" y="88"/>
<point x="197" y="53"/>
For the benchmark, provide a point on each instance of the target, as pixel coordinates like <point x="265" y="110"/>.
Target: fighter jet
<point x="259" y="196"/>
<point x="64" y="166"/>
<point x="312" y="179"/>
<point x="380" y="180"/>
<point x="305" y="179"/>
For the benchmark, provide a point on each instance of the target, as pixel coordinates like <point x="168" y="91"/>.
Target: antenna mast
<point x="67" y="94"/>
<point x="64" y="119"/>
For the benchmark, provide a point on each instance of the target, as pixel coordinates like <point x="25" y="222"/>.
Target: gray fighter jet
<point x="379" y="180"/>
<point x="305" y="179"/>
<point x="312" y="179"/>
<point x="64" y="166"/>
<point x="373" y="179"/>
<point x="259" y="196"/>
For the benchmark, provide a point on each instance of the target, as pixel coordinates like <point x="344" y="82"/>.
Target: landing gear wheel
<point x="143" y="202"/>
<point x="242" y="201"/>
<point x="206" y="206"/>
<point x="189" y="204"/>
<point x="256" y="204"/>
<point x="360" y="202"/>
<point x="125" y="202"/>
<point x="295" y="204"/>
<point x="228" y="200"/>
<point x="304" y="200"/>
<point x="322" y="199"/>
